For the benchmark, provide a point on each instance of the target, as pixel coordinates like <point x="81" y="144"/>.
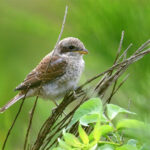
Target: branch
<point x="115" y="89"/>
<point x="62" y="29"/>
<point x="30" y="123"/>
<point x="13" y="123"/>
<point x="120" y="46"/>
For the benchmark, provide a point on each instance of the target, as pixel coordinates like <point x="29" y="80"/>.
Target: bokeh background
<point x="29" y="30"/>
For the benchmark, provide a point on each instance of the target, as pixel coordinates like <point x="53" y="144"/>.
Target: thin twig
<point x="126" y="77"/>
<point x="63" y="25"/>
<point x="119" y="48"/>
<point x="130" y="60"/>
<point x="142" y="47"/>
<point x="116" y="89"/>
<point x="62" y="29"/>
<point x="115" y="61"/>
<point x="13" y="123"/>
<point x="30" y="122"/>
<point x="125" y="52"/>
<point x="111" y="80"/>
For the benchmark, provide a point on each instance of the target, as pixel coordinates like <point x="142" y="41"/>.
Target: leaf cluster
<point x="105" y="133"/>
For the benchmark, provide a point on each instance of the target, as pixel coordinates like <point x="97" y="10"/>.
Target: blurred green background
<point x="29" y="30"/>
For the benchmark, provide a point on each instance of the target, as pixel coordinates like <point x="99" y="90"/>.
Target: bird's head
<point x="72" y="47"/>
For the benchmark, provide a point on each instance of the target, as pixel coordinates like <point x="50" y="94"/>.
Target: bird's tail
<point x="11" y="102"/>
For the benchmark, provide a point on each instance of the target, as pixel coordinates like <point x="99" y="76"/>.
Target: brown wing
<point x="44" y="72"/>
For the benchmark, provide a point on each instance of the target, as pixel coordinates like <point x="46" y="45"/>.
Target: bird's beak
<point x="83" y="51"/>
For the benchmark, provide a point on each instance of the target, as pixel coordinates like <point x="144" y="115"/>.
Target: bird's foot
<point x="74" y="93"/>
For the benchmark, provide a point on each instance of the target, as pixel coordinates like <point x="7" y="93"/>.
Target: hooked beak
<point x="83" y="51"/>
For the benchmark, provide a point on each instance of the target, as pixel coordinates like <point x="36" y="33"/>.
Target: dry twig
<point x="30" y="123"/>
<point x="13" y="123"/>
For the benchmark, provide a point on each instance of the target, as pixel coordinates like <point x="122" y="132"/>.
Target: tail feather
<point x="11" y="102"/>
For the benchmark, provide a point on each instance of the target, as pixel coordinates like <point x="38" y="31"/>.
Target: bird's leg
<point x="74" y="93"/>
<point x="53" y="110"/>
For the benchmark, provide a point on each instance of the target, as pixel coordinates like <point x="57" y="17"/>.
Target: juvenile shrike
<point x="55" y="75"/>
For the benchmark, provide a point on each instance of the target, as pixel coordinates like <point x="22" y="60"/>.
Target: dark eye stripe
<point x="67" y="49"/>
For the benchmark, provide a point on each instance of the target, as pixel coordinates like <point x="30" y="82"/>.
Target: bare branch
<point x="126" y="77"/>
<point x="13" y="123"/>
<point x="130" y="60"/>
<point x="142" y="47"/>
<point x="124" y="53"/>
<point x="120" y="46"/>
<point x="62" y="28"/>
<point x="30" y="122"/>
<point x="116" y="89"/>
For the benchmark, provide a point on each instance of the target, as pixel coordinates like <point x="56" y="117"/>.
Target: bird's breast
<point x="58" y="88"/>
<point x="73" y="71"/>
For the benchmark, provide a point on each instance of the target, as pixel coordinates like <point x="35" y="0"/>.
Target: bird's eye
<point x="71" y="47"/>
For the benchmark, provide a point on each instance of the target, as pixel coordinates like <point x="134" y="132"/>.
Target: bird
<point x="56" y="74"/>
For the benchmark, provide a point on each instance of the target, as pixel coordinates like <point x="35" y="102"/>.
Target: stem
<point x="10" y="129"/>
<point x="30" y="123"/>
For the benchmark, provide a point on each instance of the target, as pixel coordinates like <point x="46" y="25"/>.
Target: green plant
<point x="104" y="133"/>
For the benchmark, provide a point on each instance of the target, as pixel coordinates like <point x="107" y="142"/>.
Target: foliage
<point x="105" y="133"/>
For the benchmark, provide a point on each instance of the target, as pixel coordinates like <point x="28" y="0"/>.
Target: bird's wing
<point x="48" y="69"/>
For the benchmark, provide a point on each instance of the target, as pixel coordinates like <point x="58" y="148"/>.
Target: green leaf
<point x="104" y="119"/>
<point x="71" y="140"/>
<point x="92" y="145"/>
<point x="83" y="135"/>
<point x="126" y="147"/>
<point x="64" y="145"/>
<point x="91" y="118"/>
<point x="97" y="131"/>
<point x="91" y="137"/>
<point x="92" y="106"/>
<point x="106" y="147"/>
<point x="105" y="129"/>
<point x="114" y="110"/>
<point x="129" y="123"/>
